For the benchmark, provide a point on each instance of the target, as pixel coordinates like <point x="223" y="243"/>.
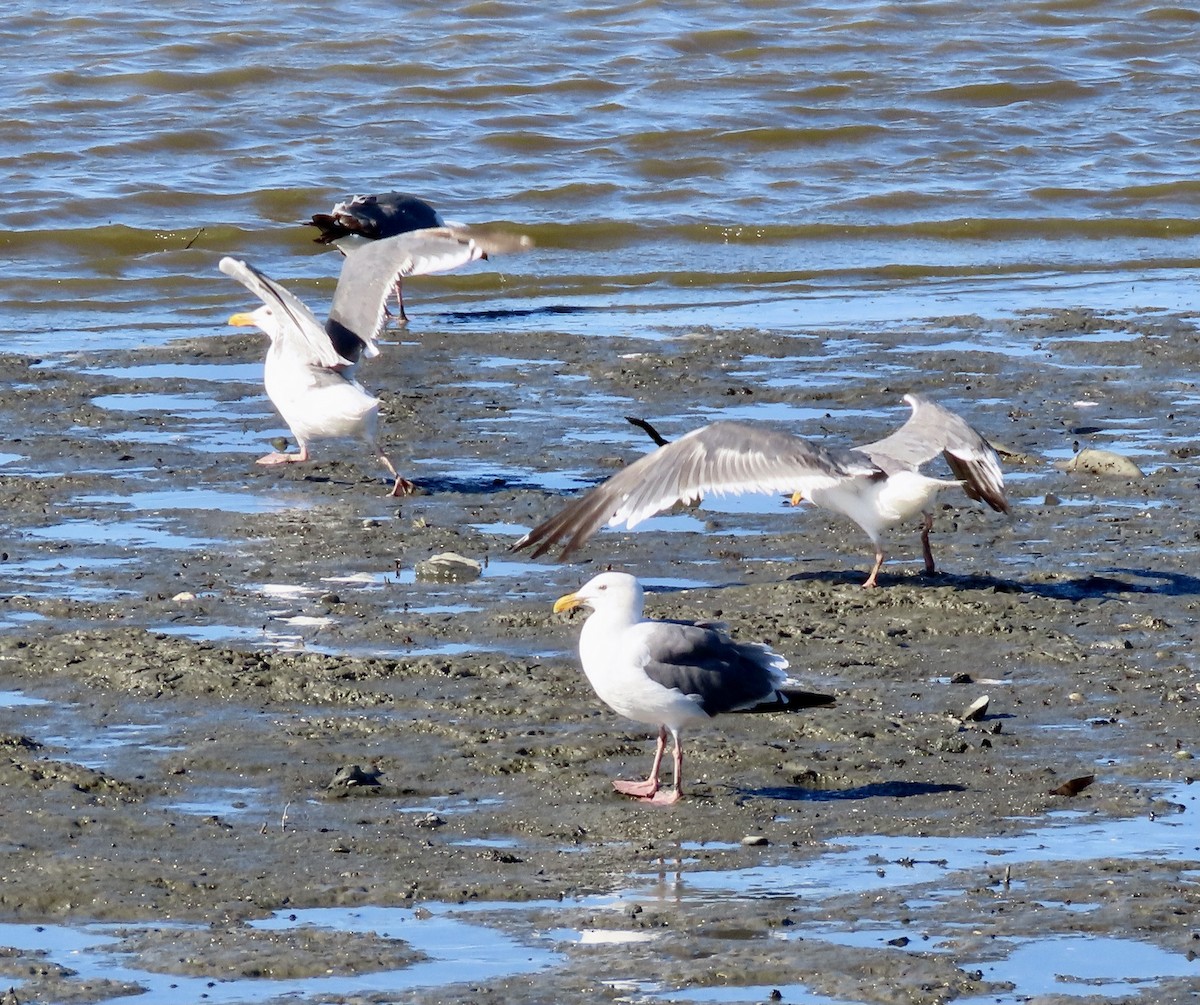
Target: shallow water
<point x="798" y="165"/>
<point x="488" y="941"/>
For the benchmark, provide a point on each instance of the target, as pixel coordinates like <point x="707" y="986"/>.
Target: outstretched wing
<point x="723" y="458"/>
<point x="370" y="272"/>
<point x="933" y="429"/>
<point x="302" y="333"/>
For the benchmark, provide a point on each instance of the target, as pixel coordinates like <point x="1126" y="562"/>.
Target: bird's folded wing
<point x="299" y="328"/>
<point x="933" y="429"/>
<point x="721" y="675"/>
<point x="722" y="458"/>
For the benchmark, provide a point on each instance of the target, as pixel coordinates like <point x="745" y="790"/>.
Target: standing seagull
<point x="364" y="218"/>
<point x="671" y="674"/>
<point x="876" y="485"/>
<point x="309" y="372"/>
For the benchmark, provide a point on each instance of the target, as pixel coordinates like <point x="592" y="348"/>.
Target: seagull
<point x="309" y="372"/>
<point x="364" y="218"/>
<point x="671" y="674"/>
<point x="371" y="217"/>
<point x="876" y="485"/>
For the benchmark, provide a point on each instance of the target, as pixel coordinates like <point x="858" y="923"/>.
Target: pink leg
<point x="400" y="486"/>
<point x="926" y="527"/>
<point x="275" y="457"/>
<point x="648" y="788"/>
<point x="873" y="579"/>
<point x="676" y="792"/>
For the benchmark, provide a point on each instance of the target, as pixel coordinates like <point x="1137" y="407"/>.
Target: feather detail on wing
<point x="301" y="332"/>
<point x="722" y="458"/>
<point x="933" y="429"/>
<point x="371" y="270"/>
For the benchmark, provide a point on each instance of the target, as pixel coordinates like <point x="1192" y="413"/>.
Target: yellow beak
<point x="797" y="498"/>
<point x="567" y="603"/>
<point x="242" y="320"/>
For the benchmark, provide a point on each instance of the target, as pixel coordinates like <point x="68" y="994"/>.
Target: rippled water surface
<point x="697" y="164"/>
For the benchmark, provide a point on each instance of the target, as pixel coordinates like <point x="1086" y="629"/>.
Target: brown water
<point x="793" y="164"/>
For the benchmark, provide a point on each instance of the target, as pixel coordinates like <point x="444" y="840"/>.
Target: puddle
<point x="126" y="534"/>
<point x="1082" y="965"/>
<point x="96" y="749"/>
<point x="220" y="373"/>
<point x="459" y="952"/>
<point x="191" y="406"/>
<point x="793" y="994"/>
<point x="13" y="699"/>
<point x="63" y="576"/>
<point x="220" y="803"/>
<point x="201" y="499"/>
<point x="879" y="862"/>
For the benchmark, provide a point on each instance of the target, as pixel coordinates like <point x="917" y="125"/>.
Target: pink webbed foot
<point x="403" y="487"/>
<point x="639" y="790"/>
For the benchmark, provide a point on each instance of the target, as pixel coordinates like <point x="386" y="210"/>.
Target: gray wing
<point x="722" y="458"/>
<point x="722" y="675"/>
<point x="299" y="328"/>
<point x="373" y="217"/>
<point x="933" y="429"/>
<point x="370" y="272"/>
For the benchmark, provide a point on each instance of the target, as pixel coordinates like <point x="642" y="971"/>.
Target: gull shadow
<point x="510" y="313"/>
<point x="874" y="790"/>
<point x="480" y="484"/>
<point x="1103" y="584"/>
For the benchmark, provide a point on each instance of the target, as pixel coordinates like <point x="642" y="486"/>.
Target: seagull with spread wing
<point x="672" y="674"/>
<point x="361" y="219"/>
<point x="309" y="371"/>
<point x="876" y="485"/>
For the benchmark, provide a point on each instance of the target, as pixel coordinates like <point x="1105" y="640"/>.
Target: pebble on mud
<point x="976" y="710"/>
<point x="449" y="567"/>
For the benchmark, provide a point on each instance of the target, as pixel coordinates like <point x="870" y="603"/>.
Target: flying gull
<point x="364" y="218"/>
<point x="671" y="674"/>
<point x="876" y="485"/>
<point x="309" y="372"/>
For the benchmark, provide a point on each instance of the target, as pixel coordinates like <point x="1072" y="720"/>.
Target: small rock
<point x="755" y="840"/>
<point x="976" y="710"/>
<point x="1073" y="787"/>
<point x="1104" y="462"/>
<point x="349" y="775"/>
<point x="449" y="567"/>
<point x="183" y="597"/>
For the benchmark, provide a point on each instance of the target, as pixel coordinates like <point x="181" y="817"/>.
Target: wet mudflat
<point x="248" y="753"/>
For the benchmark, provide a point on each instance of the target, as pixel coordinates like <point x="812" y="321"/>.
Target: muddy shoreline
<point x="211" y="643"/>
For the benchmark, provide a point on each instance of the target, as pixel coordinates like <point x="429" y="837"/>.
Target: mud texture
<point x="251" y="705"/>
